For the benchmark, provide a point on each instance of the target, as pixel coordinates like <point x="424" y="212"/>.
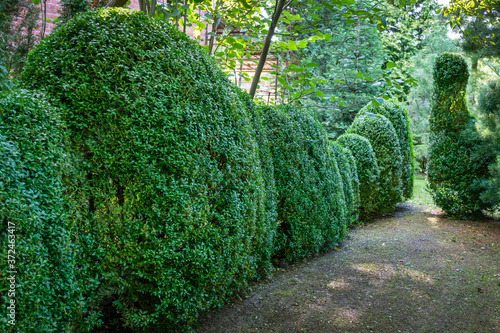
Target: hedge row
<point x="380" y="141"/>
<point x="170" y="186"/>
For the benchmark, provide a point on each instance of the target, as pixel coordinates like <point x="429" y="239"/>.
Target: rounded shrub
<point x="310" y="202"/>
<point x="367" y="171"/>
<point x="172" y="217"/>
<point x="38" y="255"/>
<point x="398" y="117"/>
<point x="459" y="158"/>
<point x="347" y="181"/>
<point x="355" y="184"/>
<point x="385" y="143"/>
<point x="267" y="234"/>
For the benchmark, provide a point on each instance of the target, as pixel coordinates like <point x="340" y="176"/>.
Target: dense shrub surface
<point x="489" y="106"/>
<point x="398" y="117"/>
<point x="35" y="231"/>
<point x="172" y="217"/>
<point x="367" y="170"/>
<point x="385" y="143"/>
<point x="347" y="181"/>
<point x="355" y="184"/>
<point x="310" y="203"/>
<point x="458" y="157"/>
<point x="268" y="233"/>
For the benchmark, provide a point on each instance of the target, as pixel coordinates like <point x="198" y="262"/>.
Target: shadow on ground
<point x="415" y="271"/>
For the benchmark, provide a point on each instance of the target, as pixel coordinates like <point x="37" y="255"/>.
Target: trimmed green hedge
<point x="355" y="184"/>
<point x="35" y="236"/>
<point x="267" y="234"/>
<point x="458" y="157"/>
<point x="311" y="204"/>
<point x="347" y="182"/>
<point x="398" y="117"/>
<point x="172" y="196"/>
<point x="367" y="171"/>
<point x="385" y="143"/>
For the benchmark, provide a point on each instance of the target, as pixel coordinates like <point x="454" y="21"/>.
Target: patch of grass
<point x="420" y="195"/>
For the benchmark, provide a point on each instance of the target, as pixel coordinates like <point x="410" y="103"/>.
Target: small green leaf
<point x="319" y="93"/>
<point x="311" y="65"/>
<point x="390" y="64"/>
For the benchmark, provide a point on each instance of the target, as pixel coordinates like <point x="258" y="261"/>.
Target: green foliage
<point x="355" y="183"/>
<point x="170" y="218"/>
<point x="398" y="117"/>
<point x="405" y="34"/>
<point x="458" y="157"/>
<point x="367" y="171"/>
<point x="35" y="235"/>
<point x="489" y="106"/>
<point x="268" y="233"/>
<point x="18" y="20"/>
<point x="347" y="182"/>
<point x="311" y="205"/>
<point x="385" y="143"/>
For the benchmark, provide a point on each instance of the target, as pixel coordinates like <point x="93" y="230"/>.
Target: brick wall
<point x="267" y="88"/>
<point x="52" y="11"/>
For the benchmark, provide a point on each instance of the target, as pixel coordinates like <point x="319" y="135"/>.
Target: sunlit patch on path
<point x="415" y="271"/>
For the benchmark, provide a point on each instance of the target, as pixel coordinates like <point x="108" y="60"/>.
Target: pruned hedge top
<point x="367" y="170"/>
<point x="171" y="181"/>
<point x="449" y="111"/>
<point x="398" y="117"/>
<point x="384" y="140"/>
<point x="347" y="181"/>
<point x="310" y="203"/>
<point x="35" y="229"/>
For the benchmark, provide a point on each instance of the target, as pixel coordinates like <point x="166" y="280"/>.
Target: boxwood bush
<point x="384" y="140"/>
<point x="458" y="157"/>
<point x="355" y="183"/>
<point x="268" y="233"/>
<point x="367" y="171"/>
<point x="35" y="235"/>
<point x="311" y="205"/>
<point x="347" y="181"/>
<point x="172" y="192"/>
<point x="398" y="117"/>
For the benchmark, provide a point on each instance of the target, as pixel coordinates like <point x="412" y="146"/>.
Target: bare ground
<point x="415" y="271"/>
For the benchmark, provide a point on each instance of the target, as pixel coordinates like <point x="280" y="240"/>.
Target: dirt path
<point x="415" y="271"/>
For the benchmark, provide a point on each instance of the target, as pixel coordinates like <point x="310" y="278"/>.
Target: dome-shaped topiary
<point x="398" y="116"/>
<point x="367" y="171"/>
<point x="347" y="181"/>
<point x="38" y="256"/>
<point x="311" y="204"/>
<point x="172" y="218"/>
<point x="355" y="184"/>
<point x="385" y="143"/>
<point x="458" y="157"/>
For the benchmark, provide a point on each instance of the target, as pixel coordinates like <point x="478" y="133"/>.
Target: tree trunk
<point x="267" y="43"/>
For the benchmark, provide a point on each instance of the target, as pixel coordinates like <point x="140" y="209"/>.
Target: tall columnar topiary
<point x="367" y="171"/>
<point x="398" y="117"/>
<point x="385" y="143"/>
<point x="355" y="183"/>
<point x="311" y="204"/>
<point x="458" y="157"/>
<point x="347" y="181"/>
<point x="170" y="181"/>
<point x="38" y="256"/>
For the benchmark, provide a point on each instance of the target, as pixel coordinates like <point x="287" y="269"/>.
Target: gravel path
<point x="415" y="271"/>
